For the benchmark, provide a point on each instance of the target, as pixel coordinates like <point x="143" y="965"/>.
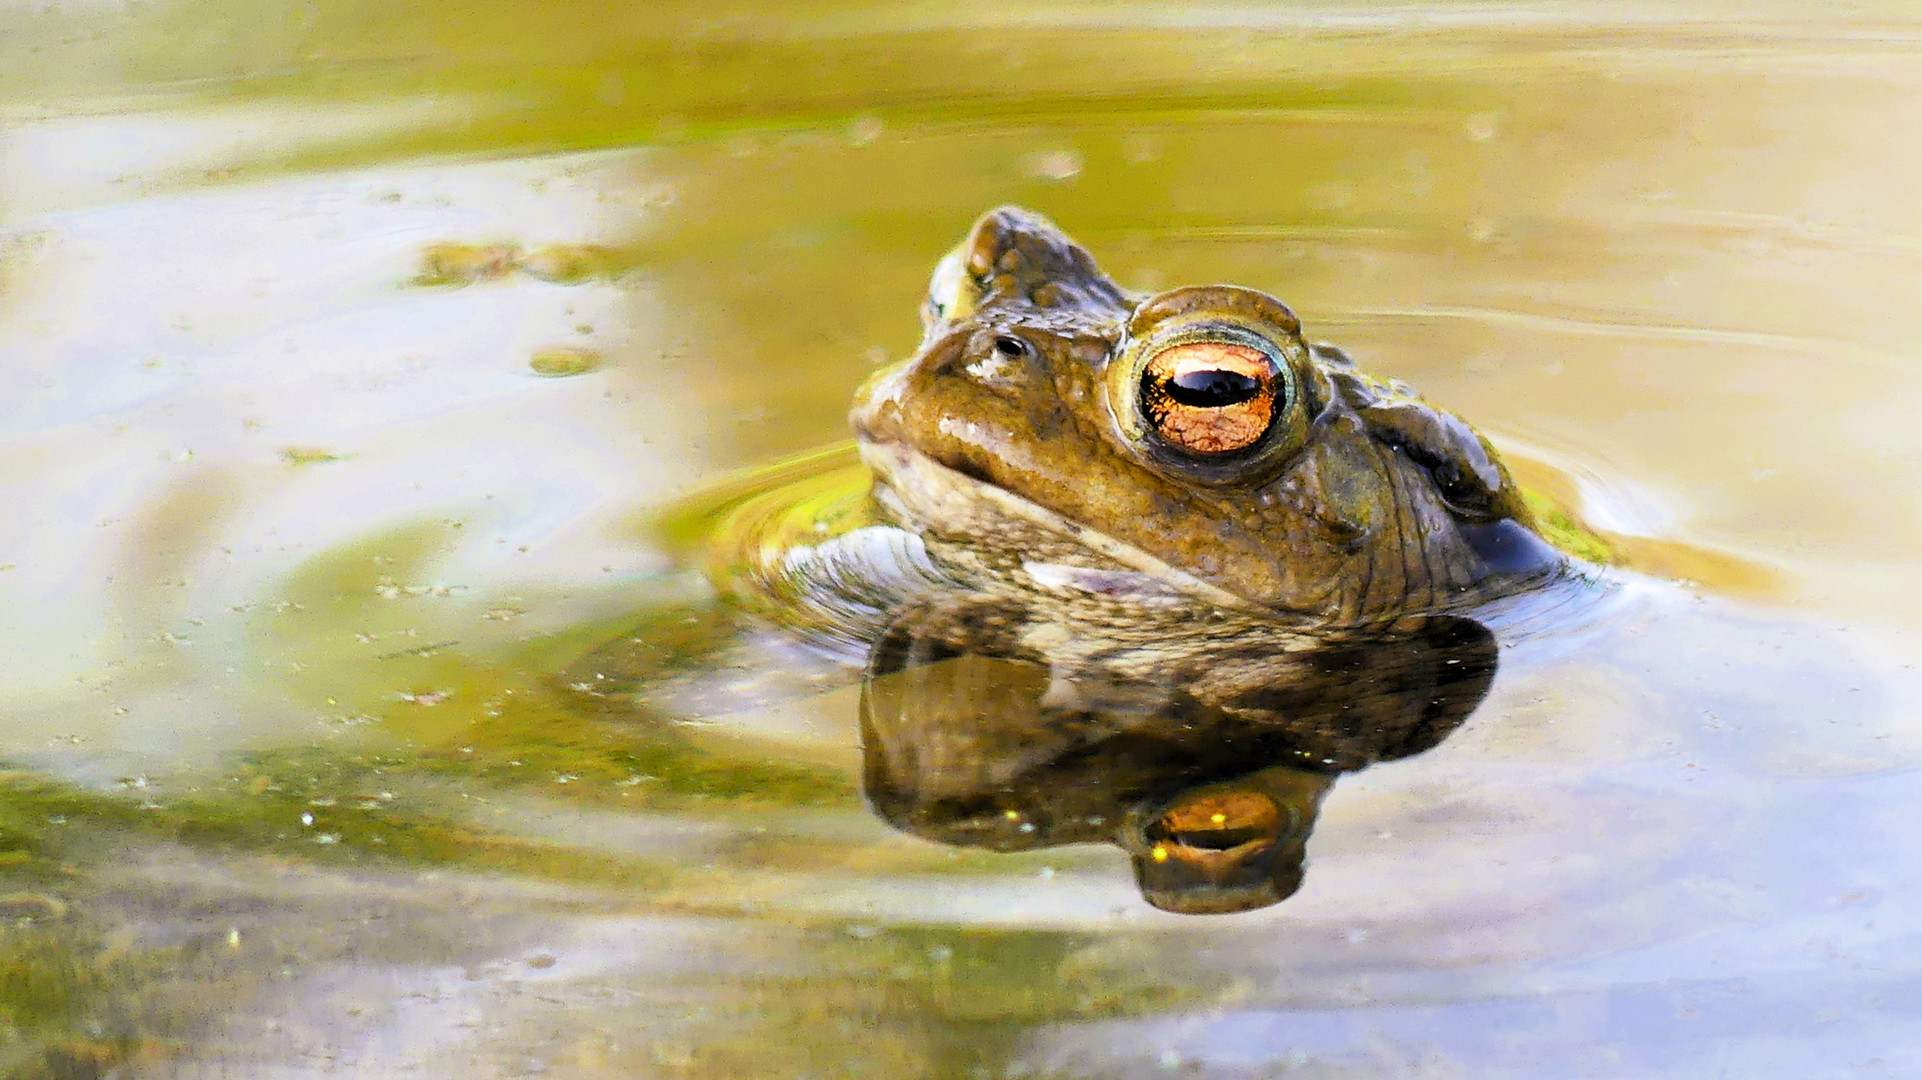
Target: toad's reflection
<point x="1213" y="800"/>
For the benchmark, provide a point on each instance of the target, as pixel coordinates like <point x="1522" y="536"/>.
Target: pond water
<point x="359" y="717"/>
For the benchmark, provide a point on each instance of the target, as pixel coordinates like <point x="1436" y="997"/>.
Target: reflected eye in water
<point x="1211" y="397"/>
<point x="1215" y="822"/>
<point x="1211" y="784"/>
<point x="1234" y="846"/>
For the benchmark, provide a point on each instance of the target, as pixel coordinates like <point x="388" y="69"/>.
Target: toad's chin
<point x="922" y="495"/>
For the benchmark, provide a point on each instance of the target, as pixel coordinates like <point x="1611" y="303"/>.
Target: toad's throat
<point x="928" y="496"/>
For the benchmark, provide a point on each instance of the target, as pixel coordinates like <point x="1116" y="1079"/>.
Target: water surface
<point x="357" y="721"/>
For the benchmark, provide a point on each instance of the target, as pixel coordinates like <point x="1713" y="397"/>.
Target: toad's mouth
<point x="928" y="496"/>
<point x="924" y="492"/>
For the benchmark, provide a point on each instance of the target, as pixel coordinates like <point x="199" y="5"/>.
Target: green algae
<point x="922" y="1001"/>
<point x="1559" y="526"/>
<point x="369" y="634"/>
<point x="73" y="1006"/>
<point x="308" y="455"/>
<point x="564" y="361"/>
<point x="453" y="263"/>
<point x="465" y="264"/>
<point x="82" y="993"/>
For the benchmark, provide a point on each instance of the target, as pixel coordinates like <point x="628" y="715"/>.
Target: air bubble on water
<point x="1055" y="165"/>
<point x="865" y="129"/>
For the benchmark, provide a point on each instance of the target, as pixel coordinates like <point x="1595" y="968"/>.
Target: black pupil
<point x="1213" y="389"/>
<point x="1008" y="346"/>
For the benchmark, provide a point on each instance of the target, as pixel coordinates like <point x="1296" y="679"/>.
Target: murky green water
<point x="357" y="719"/>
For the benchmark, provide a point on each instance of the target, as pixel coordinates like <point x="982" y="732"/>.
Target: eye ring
<point x="1211" y="396"/>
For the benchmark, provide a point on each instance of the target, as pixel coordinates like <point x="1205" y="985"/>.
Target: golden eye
<point x="1212" y="397"/>
<point x="1218" y="821"/>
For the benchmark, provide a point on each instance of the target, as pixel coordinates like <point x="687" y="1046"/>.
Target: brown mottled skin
<point x="1365" y="504"/>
